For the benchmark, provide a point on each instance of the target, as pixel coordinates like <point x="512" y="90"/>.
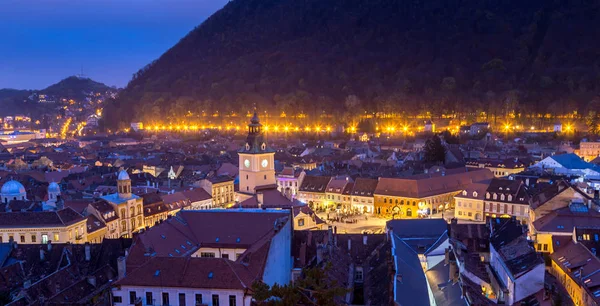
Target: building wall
<point x="313" y="199"/>
<point x="75" y="233"/>
<point x="303" y="221"/>
<point x="200" y="205"/>
<point x="256" y="175"/>
<point x="190" y="295"/>
<point x="503" y="209"/>
<point x="97" y="236"/>
<point x="363" y="204"/>
<point x="469" y="209"/>
<point x="278" y="268"/>
<point x="388" y="206"/>
<point x="522" y="287"/>
<point x="589" y="150"/>
<point x="579" y="295"/>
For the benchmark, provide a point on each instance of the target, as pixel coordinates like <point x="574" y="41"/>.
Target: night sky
<point x="44" y="41"/>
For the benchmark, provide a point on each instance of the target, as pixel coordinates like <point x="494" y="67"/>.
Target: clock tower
<point x="257" y="160"/>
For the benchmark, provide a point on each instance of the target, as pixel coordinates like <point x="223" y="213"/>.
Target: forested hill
<point x="394" y="55"/>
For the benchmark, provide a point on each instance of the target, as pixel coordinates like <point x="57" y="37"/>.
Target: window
<point x="165" y="298"/>
<point x="182" y="299"/>
<point x="539" y="247"/>
<point x="132" y="297"/>
<point x="117" y="299"/>
<point x="207" y="254"/>
<point x="460" y="213"/>
<point x="545" y="247"/>
<point x="198" y="298"/>
<point x="301" y="222"/>
<point x="149" y="300"/>
<point x="238" y="255"/>
<point x="215" y="300"/>
<point x="358" y="275"/>
<point x="225" y="256"/>
<point x="232" y="300"/>
<point x="22" y="238"/>
<point x="56" y="237"/>
<point x="44" y="239"/>
<point x="33" y="238"/>
<point x="470" y="214"/>
<point x="265" y="177"/>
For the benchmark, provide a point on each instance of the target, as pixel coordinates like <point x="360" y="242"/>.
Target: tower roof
<point x="255" y="142"/>
<point x="123" y="175"/>
<point x="12" y="187"/>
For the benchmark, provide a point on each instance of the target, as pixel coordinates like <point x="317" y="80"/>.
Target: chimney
<point x="365" y="237"/>
<point x="42" y="255"/>
<point x="320" y="253"/>
<point x="91" y="280"/>
<point x="446" y="256"/>
<point x="330" y="235"/>
<point x="49" y="245"/>
<point x="259" y="199"/>
<point x="349" y="244"/>
<point x="121" y="267"/>
<point x="88" y="252"/>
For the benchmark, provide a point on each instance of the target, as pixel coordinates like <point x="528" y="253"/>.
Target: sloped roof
<point x="420" y="186"/>
<point x="190" y="272"/>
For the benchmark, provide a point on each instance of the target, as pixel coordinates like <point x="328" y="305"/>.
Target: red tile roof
<point x="425" y="185"/>
<point x="190" y="272"/>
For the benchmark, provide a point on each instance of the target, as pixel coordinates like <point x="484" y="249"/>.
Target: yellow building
<point x="469" y="203"/>
<point x="312" y="191"/>
<point x="221" y="189"/>
<point x="127" y="206"/>
<point x="589" y="150"/>
<point x="576" y="267"/>
<point x="423" y="194"/>
<point x="34" y="227"/>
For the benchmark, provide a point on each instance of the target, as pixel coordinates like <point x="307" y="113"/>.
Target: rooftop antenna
<point x="81" y="75"/>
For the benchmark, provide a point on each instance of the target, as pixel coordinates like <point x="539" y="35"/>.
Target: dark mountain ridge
<point x="453" y="56"/>
<point x="16" y="100"/>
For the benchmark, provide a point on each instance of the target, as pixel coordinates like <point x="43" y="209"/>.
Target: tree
<point x="449" y="138"/>
<point x="313" y="288"/>
<point x="435" y="150"/>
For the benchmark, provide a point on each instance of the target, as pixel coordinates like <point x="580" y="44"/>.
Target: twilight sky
<point x="44" y="41"/>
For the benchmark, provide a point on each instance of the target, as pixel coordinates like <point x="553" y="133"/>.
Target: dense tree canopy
<point x="346" y="57"/>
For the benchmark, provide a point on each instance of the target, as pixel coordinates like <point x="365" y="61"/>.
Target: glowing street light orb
<point x="405" y="128"/>
<point x="266" y="128"/>
<point x="276" y="128"/>
<point x="287" y="128"/>
<point x="297" y="129"/>
<point x="328" y="129"/>
<point x="507" y="127"/>
<point x="307" y="129"/>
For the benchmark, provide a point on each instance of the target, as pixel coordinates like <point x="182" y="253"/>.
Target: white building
<point x="207" y="257"/>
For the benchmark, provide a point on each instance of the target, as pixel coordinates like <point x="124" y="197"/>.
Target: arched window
<point x="495" y="196"/>
<point x="502" y="197"/>
<point x="409" y="212"/>
<point x="396" y="201"/>
<point x="474" y="194"/>
<point x="402" y="202"/>
<point x="487" y="195"/>
<point x="464" y="192"/>
<point x="384" y="200"/>
<point x="122" y="213"/>
<point x="509" y="197"/>
<point x="414" y="203"/>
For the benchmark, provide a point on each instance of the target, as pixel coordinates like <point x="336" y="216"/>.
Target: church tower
<point x="257" y="160"/>
<point x="123" y="185"/>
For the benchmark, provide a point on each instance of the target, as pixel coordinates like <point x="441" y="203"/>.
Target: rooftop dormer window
<point x="474" y="194"/>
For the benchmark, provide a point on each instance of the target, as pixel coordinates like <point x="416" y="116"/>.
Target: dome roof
<point x="53" y="187"/>
<point x="12" y="187"/>
<point x="123" y="175"/>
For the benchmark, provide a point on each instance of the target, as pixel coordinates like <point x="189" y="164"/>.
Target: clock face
<point x="247" y="163"/>
<point x="265" y="163"/>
